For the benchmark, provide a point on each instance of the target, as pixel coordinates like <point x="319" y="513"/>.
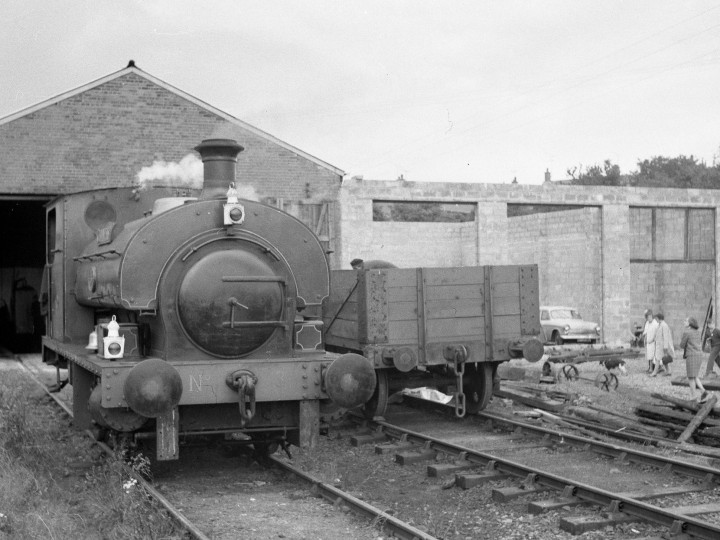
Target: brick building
<point x="103" y="133"/>
<point x="611" y="252"/>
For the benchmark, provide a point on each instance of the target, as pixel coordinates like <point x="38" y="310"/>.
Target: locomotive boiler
<point x="205" y="312"/>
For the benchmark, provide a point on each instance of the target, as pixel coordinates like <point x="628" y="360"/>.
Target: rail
<point x="618" y="502"/>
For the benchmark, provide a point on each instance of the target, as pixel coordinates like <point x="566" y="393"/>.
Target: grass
<point x="57" y="484"/>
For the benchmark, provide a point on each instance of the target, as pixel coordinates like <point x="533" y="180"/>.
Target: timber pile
<point x="687" y="420"/>
<point x="530" y="398"/>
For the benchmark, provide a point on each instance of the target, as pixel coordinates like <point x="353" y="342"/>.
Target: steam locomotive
<point x="213" y="315"/>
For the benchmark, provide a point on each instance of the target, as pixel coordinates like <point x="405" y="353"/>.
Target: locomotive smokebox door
<point x="230" y="302"/>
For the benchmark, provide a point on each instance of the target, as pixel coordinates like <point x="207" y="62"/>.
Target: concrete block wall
<point x="615" y="273"/>
<point x="469" y="244"/>
<point x="566" y="246"/>
<point x="587" y="249"/>
<point x="678" y="290"/>
<point x="492" y="233"/>
<point x="405" y="244"/>
<point x="103" y="136"/>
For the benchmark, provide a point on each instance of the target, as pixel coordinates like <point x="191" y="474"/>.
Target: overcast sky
<point x="461" y="91"/>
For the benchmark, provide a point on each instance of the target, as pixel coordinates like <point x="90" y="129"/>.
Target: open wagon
<point x="441" y="327"/>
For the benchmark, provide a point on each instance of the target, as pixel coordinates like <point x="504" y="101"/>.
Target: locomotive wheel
<point x="570" y="372"/>
<point x="377" y="404"/>
<point x="607" y="381"/>
<point x="478" y="386"/>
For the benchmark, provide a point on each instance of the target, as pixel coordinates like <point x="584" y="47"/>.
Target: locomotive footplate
<point x="204" y="381"/>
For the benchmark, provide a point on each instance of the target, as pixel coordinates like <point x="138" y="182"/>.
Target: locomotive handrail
<point x="100" y="255"/>
<point x="261" y="279"/>
<point x="253" y="324"/>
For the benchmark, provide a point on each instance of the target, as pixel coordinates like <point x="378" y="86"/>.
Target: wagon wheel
<point x="477" y="386"/>
<point x="377" y="404"/>
<point x="570" y="372"/>
<point x="607" y="381"/>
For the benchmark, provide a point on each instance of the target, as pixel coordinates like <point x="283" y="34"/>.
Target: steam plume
<point x="187" y="174"/>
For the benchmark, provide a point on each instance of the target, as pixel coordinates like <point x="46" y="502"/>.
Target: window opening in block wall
<point x="426" y="211"/>
<point x="516" y="210"/>
<point x="672" y="234"/>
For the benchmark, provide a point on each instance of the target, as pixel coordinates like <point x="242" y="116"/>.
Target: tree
<point x="681" y="171"/>
<point x="658" y="171"/>
<point x="607" y="174"/>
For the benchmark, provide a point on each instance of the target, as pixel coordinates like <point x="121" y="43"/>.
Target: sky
<point x="446" y="90"/>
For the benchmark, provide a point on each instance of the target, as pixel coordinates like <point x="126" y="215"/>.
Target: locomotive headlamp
<point x="233" y="211"/>
<point x="114" y="343"/>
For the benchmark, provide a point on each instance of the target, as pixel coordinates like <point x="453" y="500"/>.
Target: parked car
<point x="560" y="324"/>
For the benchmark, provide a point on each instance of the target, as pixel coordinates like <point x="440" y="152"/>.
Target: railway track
<point x="551" y="469"/>
<point x="489" y="463"/>
<point x="230" y="486"/>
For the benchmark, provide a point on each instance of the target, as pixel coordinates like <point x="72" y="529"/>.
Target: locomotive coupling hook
<point x="244" y="382"/>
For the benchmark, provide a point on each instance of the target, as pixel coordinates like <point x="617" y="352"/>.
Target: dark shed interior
<point x="22" y="259"/>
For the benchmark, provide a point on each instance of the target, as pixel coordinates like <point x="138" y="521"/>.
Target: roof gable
<point x="137" y="71"/>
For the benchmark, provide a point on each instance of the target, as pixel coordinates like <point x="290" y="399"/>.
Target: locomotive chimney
<point x="219" y="157"/>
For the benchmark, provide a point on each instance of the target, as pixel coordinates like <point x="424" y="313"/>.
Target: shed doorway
<point x="22" y="260"/>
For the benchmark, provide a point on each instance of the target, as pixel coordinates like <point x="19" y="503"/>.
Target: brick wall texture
<point x="103" y="136"/>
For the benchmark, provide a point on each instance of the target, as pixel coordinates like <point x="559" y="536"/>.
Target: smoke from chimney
<point x="188" y="173"/>
<point x="185" y="174"/>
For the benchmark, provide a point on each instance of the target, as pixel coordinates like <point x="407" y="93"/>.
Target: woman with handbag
<point x="694" y="357"/>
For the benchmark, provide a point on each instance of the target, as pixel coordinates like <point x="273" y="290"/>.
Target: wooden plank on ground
<point x="560" y="422"/>
<point x="709" y="384"/>
<point x="698" y="419"/>
<point x="666" y="414"/>
<point x="690" y="405"/>
<point x="529" y="399"/>
<point x="614" y="421"/>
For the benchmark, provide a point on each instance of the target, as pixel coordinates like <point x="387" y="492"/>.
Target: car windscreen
<point x="565" y="314"/>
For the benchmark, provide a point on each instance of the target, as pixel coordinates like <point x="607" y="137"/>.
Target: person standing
<point x="649" y="333"/>
<point x="665" y="346"/>
<point x="693" y="355"/>
<point x="714" y="358"/>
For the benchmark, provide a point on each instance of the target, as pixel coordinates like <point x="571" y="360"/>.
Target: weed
<point x="55" y="482"/>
